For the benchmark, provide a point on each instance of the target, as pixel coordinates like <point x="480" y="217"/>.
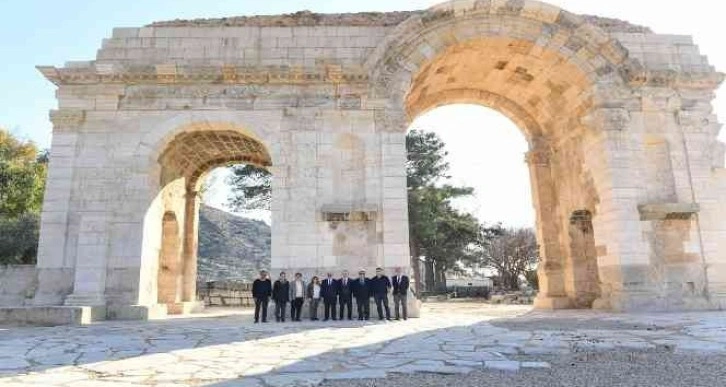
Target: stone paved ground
<point x="454" y="338"/>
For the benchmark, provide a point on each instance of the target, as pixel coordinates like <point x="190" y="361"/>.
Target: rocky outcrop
<point x="230" y="246"/>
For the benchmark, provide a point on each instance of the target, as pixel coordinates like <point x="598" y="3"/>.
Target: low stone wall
<point x="514" y="298"/>
<point x="225" y="293"/>
<point x="17" y="285"/>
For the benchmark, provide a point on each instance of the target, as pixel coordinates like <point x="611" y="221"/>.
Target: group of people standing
<point x="333" y="293"/>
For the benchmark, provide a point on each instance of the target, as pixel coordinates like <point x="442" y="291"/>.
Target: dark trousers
<point x="400" y="299"/>
<point x="346" y="302"/>
<point x="382" y="299"/>
<point x="261" y="303"/>
<point x="296" y="308"/>
<point x="329" y="308"/>
<point x="314" y="308"/>
<point x="364" y="307"/>
<point x="280" y="307"/>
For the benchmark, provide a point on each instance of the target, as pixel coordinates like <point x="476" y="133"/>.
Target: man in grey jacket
<point x="297" y="296"/>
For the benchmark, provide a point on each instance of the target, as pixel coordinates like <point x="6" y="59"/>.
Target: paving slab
<point x="231" y="350"/>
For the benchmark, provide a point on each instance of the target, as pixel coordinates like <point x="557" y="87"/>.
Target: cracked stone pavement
<point x="224" y="348"/>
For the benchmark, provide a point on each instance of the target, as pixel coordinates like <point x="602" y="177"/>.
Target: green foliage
<point x="22" y="182"/>
<point x="22" y="176"/>
<point x="437" y="231"/>
<point x="426" y="163"/>
<point x="251" y="188"/>
<point x="19" y="239"/>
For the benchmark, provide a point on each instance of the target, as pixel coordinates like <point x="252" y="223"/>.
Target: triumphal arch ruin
<point x="627" y="173"/>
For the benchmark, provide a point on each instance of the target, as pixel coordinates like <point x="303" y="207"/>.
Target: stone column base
<point x="552" y="303"/>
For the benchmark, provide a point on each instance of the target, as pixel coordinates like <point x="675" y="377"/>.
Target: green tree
<point x="22" y="182"/>
<point x="437" y="231"/>
<point x="19" y="239"/>
<point x="22" y="176"/>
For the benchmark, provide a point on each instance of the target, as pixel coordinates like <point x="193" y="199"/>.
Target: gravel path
<point x="587" y="369"/>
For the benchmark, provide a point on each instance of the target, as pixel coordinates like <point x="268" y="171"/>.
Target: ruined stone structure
<point x="625" y="166"/>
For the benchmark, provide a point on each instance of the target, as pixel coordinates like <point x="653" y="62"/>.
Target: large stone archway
<point x="626" y="169"/>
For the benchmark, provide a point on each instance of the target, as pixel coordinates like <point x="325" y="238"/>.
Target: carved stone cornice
<point x="174" y="74"/>
<point x="67" y="119"/>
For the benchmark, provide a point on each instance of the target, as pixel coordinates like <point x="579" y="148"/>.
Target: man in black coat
<point x="362" y="294"/>
<point x="400" y="293"/>
<point x="380" y="285"/>
<point x="345" y="295"/>
<point x="261" y="292"/>
<point x="329" y="294"/>
<point x="281" y="296"/>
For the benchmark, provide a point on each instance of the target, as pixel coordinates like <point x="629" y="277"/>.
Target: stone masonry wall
<point x="17" y="285"/>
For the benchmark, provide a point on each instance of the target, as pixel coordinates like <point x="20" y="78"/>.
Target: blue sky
<point x="45" y="32"/>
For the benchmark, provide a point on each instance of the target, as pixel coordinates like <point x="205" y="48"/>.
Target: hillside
<point x="230" y="246"/>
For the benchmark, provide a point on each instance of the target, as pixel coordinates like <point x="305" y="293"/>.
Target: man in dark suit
<point x="345" y="295"/>
<point x="380" y="285"/>
<point x="261" y="292"/>
<point x="362" y="293"/>
<point x="281" y="296"/>
<point x="329" y="294"/>
<point x="400" y="293"/>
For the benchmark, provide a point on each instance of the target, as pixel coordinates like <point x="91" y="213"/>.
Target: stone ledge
<point x="50" y="315"/>
<point x="137" y="312"/>
<point x="667" y="211"/>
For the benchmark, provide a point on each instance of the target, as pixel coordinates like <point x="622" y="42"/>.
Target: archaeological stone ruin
<point x="627" y="174"/>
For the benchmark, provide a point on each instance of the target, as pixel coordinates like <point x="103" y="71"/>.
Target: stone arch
<point x="181" y="157"/>
<point x="559" y="77"/>
<point x="394" y="62"/>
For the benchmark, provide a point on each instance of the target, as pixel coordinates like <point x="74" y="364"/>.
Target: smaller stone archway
<point x="184" y="159"/>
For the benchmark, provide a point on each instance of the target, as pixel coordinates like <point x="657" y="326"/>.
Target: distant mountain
<point x="230" y="246"/>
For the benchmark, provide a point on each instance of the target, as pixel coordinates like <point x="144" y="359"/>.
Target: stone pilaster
<point x="55" y="269"/>
<point x="189" y="252"/>
<point x="89" y="284"/>
<point x="551" y="272"/>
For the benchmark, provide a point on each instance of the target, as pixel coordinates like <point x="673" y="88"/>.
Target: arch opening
<point x="547" y="95"/>
<point x="185" y="161"/>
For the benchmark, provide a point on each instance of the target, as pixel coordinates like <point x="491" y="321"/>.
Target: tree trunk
<point x="441" y="282"/>
<point x="416" y="266"/>
<point x="430" y="279"/>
